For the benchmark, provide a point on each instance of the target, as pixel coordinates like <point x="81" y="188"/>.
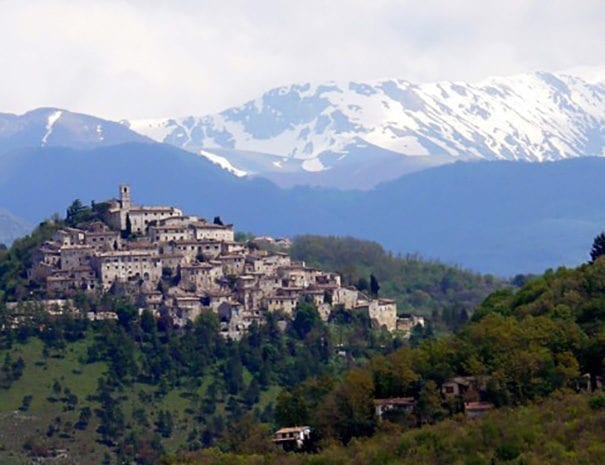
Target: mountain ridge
<point x="55" y="127"/>
<point x="316" y="128"/>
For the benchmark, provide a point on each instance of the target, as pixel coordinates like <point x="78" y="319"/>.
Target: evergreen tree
<point x="374" y="286"/>
<point x="598" y="247"/>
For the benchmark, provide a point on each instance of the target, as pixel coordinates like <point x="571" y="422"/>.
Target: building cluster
<point x="469" y="392"/>
<point x="181" y="265"/>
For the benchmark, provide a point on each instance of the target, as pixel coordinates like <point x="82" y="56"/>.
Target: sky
<point x="148" y="59"/>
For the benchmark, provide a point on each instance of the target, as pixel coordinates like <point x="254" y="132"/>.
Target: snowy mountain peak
<point x="52" y="127"/>
<point x="532" y="117"/>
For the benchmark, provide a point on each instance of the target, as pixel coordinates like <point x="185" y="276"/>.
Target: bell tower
<point x="125" y="196"/>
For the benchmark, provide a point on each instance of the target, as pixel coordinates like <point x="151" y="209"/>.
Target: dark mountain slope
<point x="502" y="217"/>
<point x="12" y="227"/>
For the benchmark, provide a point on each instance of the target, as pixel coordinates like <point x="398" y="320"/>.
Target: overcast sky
<point x="134" y="59"/>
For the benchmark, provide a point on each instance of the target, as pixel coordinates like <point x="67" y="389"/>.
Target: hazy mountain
<point x="35" y="183"/>
<point x="316" y="133"/>
<point x="12" y="227"/>
<point x="498" y="217"/>
<point x="52" y="127"/>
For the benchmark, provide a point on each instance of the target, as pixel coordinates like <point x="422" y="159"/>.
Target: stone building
<point x="75" y="256"/>
<point x="127" y="265"/>
<point x="100" y="237"/>
<point x="123" y="215"/>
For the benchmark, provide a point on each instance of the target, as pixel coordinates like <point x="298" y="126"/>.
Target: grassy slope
<point x="39" y="375"/>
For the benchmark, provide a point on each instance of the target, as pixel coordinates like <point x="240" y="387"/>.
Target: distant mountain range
<point x="498" y="217"/>
<point x="53" y="127"/>
<point x="355" y="135"/>
<point x="358" y="134"/>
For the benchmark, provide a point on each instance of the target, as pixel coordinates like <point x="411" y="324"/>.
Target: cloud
<point x="147" y="59"/>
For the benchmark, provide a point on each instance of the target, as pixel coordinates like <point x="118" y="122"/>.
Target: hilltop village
<point x="180" y="265"/>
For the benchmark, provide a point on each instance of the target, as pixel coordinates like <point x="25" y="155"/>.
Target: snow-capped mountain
<point x="302" y="132"/>
<point x="52" y="127"/>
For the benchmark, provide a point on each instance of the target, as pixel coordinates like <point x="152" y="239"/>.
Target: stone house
<point x="345" y="296"/>
<point x="45" y="260"/>
<point x="67" y="282"/>
<point x="468" y="388"/>
<point x="126" y="265"/>
<point x="315" y="296"/>
<point x="169" y="233"/>
<point x="69" y="236"/>
<point x="101" y="238"/>
<point x="394" y="404"/>
<point x="281" y="303"/>
<point x="384" y="313"/>
<point x="216" y="232"/>
<point x="232" y="264"/>
<point x="201" y="277"/>
<point x="292" y="438"/>
<point x="75" y="256"/>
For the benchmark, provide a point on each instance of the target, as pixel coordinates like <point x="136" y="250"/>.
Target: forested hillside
<point x="565" y="429"/>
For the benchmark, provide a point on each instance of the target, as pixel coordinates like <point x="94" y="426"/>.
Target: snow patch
<point x="155" y="129"/>
<point x="223" y="163"/>
<point x="313" y="165"/>
<point x="100" y="132"/>
<point x="50" y="122"/>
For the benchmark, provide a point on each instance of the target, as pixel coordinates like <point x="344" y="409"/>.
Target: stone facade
<point x="128" y="265"/>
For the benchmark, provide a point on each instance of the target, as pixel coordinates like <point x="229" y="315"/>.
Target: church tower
<point x="125" y="196"/>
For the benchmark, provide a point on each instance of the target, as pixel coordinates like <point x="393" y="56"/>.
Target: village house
<point x="123" y="265"/>
<point x="395" y="405"/>
<point x="292" y="437"/>
<point x="467" y="388"/>
<point x="101" y="238"/>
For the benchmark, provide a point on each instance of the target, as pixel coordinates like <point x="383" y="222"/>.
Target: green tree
<point x="76" y="212"/>
<point x="428" y="407"/>
<point x="374" y="286"/>
<point x="26" y="402"/>
<point x="305" y="320"/>
<point x="598" y="247"/>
